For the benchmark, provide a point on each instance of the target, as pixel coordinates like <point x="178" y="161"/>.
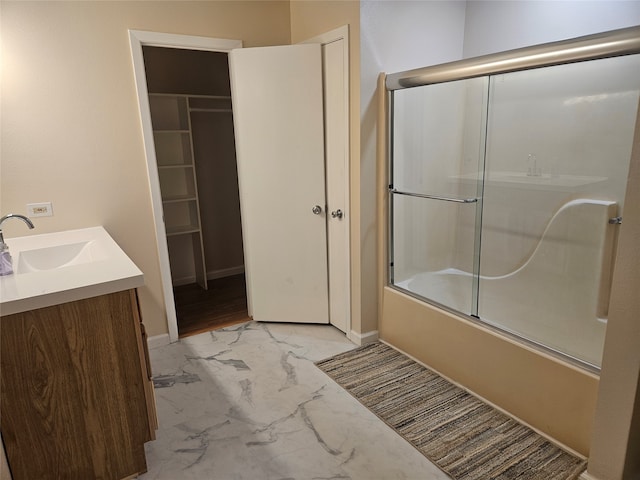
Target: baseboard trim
<point x="586" y="476"/>
<point x="225" y="272"/>
<point x="179" y="282"/>
<point x="363" y="338"/>
<point x="158" y="340"/>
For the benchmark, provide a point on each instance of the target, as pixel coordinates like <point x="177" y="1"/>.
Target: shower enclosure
<point x="507" y="178"/>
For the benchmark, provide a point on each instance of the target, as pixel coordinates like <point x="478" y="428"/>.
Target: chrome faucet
<point x="3" y="246"/>
<point x="533" y="171"/>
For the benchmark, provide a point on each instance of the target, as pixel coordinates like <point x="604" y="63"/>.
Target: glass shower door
<point x="436" y="190"/>
<point x="559" y="142"/>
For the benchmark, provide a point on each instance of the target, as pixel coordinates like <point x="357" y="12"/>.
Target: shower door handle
<point x="434" y="197"/>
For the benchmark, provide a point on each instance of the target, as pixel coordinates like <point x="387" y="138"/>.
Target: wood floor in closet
<point x="223" y="304"/>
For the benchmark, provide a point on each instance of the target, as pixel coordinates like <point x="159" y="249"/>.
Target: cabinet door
<point x="72" y="398"/>
<point x="278" y="123"/>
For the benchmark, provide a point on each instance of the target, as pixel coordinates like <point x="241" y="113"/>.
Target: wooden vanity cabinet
<point x="76" y="399"/>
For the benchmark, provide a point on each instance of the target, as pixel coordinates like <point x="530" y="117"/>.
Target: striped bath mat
<point x="466" y="438"/>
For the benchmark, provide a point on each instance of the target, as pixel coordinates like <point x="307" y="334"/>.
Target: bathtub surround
<point x="464" y="436"/>
<point x="542" y="269"/>
<point x="568" y="319"/>
<point x="247" y="402"/>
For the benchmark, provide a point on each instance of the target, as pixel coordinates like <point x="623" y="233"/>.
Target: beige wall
<point x="394" y="36"/>
<point x="309" y="19"/>
<point x="71" y="130"/>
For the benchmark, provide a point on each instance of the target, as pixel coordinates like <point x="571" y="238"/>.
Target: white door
<point x="337" y="164"/>
<point x="278" y="122"/>
<point x="335" y="67"/>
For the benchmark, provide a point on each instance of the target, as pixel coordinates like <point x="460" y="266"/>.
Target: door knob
<point x="317" y="210"/>
<point x="337" y="214"/>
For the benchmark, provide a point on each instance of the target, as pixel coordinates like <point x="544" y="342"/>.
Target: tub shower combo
<point x="507" y="178"/>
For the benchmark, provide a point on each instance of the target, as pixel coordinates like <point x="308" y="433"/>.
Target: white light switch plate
<point x="44" y="209"/>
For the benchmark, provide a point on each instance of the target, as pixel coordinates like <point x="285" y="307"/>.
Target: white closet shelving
<point x="172" y="131"/>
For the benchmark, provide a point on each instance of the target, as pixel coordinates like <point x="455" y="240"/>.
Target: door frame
<point x="138" y="39"/>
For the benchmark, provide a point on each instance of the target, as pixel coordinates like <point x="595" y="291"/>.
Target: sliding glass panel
<point x="558" y="150"/>
<point x="433" y="254"/>
<point x="437" y="160"/>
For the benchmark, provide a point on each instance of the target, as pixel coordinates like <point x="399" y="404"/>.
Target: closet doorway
<point x="191" y="116"/>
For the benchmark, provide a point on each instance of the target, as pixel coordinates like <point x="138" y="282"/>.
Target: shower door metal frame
<point x="614" y="43"/>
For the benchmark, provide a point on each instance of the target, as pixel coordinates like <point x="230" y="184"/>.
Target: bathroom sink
<point x="59" y="256"/>
<point x="54" y="268"/>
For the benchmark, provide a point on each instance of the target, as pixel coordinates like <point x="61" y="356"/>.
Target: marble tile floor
<point x="247" y="402"/>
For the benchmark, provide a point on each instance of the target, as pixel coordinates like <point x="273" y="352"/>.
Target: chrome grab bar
<point x="434" y="197"/>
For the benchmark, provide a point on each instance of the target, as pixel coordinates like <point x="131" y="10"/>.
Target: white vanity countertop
<point x="54" y="268"/>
